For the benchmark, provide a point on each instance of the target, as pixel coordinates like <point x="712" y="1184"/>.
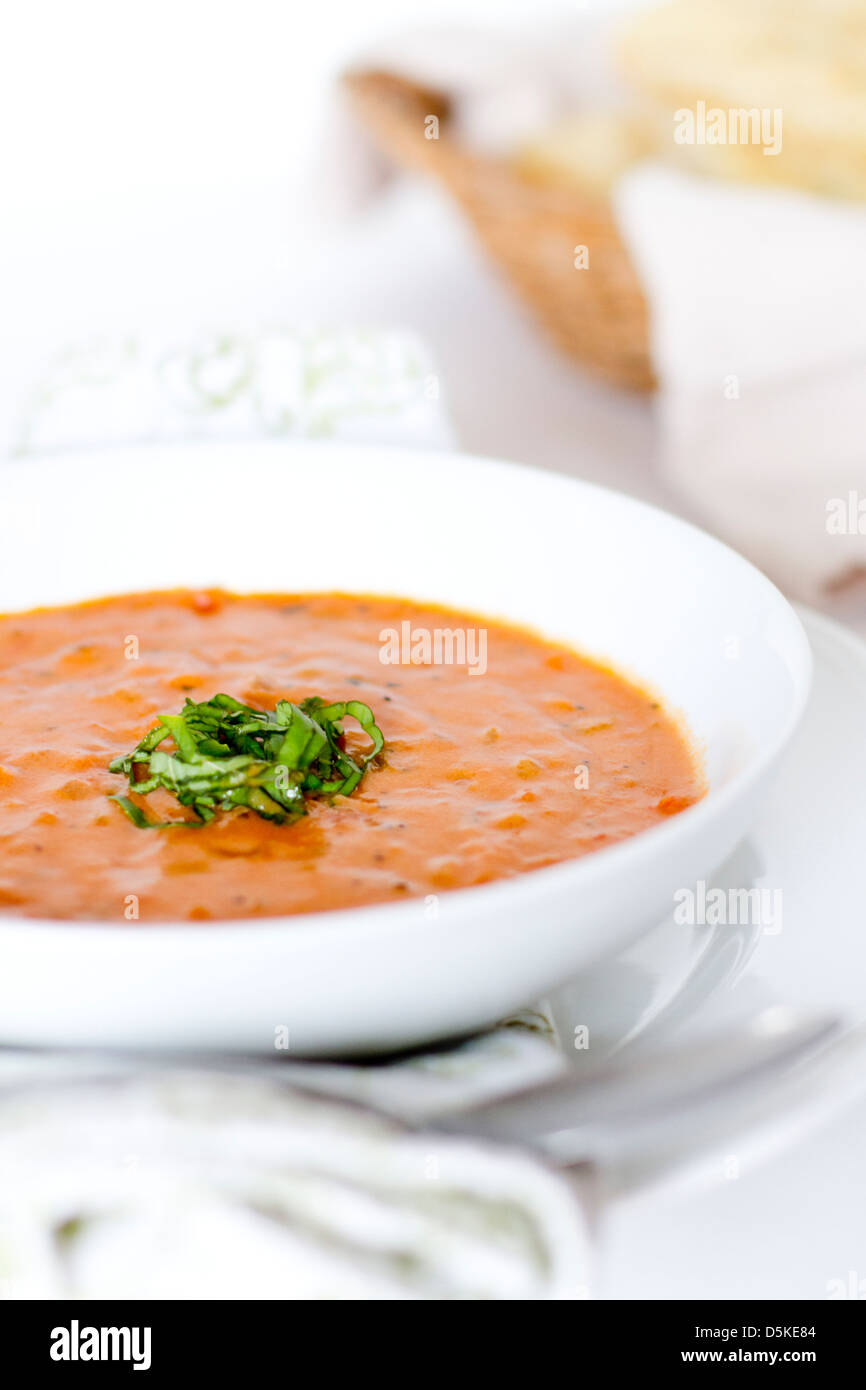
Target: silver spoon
<point x="590" y="1114"/>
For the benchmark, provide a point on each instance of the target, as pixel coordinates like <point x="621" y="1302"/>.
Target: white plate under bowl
<point x="658" y="599"/>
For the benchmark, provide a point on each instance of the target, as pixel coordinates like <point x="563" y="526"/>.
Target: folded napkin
<point x="758" y="314"/>
<point x="355" y="385"/>
<point x="189" y="1184"/>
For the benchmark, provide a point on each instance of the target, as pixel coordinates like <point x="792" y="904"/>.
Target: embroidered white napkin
<point x="356" y="385"/>
<point x="190" y="1185"/>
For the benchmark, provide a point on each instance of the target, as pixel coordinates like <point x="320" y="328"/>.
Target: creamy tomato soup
<point x="491" y="767"/>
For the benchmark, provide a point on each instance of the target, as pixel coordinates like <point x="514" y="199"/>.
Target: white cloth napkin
<point x="356" y="385"/>
<point x="758" y="312"/>
<point x="190" y="1185"/>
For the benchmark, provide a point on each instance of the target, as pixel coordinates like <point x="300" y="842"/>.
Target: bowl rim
<point x="522" y="889"/>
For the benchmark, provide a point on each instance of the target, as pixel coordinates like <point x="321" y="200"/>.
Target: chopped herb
<point x="228" y="754"/>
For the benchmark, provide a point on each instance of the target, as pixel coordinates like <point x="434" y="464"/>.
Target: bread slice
<point x="801" y="64"/>
<point x="587" y="152"/>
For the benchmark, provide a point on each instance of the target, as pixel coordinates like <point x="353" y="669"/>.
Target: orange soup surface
<point x="542" y="756"/>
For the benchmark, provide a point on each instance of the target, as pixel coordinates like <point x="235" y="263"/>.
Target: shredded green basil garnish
<point x="228" y="754"/>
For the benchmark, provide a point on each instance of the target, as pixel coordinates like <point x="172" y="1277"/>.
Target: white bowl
<point x="658" y="599"/>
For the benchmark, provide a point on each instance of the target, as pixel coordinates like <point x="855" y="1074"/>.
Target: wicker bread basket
<point x="599" y="314"/>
